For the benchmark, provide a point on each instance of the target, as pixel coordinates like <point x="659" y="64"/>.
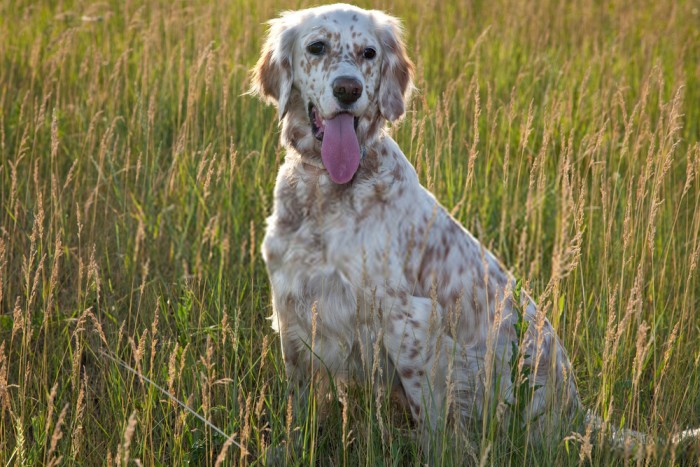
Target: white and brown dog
<point x="361" y="256"/>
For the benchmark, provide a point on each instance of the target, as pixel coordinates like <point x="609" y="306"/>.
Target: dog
<point x="367" y="269"/>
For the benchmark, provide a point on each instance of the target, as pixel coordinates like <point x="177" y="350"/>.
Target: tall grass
<point x="135" y="178"/>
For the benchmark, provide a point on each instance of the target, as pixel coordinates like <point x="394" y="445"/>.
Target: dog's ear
<point x="396" y="82"/>
<point x="273" y="75"/>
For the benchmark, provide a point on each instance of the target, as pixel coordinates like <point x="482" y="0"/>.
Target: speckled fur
<point x="378" y="258"/>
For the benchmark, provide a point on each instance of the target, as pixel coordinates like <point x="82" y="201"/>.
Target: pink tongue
<point x="340" y="150"/>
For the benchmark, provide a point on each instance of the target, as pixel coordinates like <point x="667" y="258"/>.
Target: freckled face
<point x="336" y="46"/>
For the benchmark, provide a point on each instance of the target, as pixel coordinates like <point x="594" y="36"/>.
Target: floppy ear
<point x="396" y="82"/>
<point x="273" y="75"/>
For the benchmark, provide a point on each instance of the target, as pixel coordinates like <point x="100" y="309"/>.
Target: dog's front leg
<point x="412" y="338"/>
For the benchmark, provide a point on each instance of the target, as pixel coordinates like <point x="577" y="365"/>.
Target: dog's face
<point x="335" y="73"/>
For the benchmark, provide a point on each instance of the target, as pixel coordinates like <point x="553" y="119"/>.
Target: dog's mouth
<point x="340" y="149"/>
<point x="318" y="124"/>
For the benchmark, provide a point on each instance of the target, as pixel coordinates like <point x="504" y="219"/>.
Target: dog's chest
<point x="315" y="225"/>
<point x="316" y="252"/>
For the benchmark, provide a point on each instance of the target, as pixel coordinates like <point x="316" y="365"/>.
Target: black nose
<point x="347" y="89"/>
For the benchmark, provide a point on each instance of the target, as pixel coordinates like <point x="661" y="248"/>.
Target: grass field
<point x="135" y="177"/>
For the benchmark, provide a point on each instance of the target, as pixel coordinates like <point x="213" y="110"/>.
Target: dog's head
<point x="335" y="73"/>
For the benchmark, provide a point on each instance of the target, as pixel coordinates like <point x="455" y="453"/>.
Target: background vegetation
<point x="135" y="177"/>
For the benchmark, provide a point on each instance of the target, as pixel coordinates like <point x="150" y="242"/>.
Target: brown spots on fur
<point x="416" y="408"/>
<point x="397" y="173"/>
<point x="374" y="126"/>
<point x="391" y="104"/>
<point x="410" y="274"/>
<point x="498" y="275"/>
<point x="477" y="308"/>
<point x="370" y="164"/>
<point x="455" y="298"/>
<point x="380" y="193"/>
<point x="359" y="50"/>
<point x="479" y="280"/>
<point x="305" y="65"/>
<point x="378" y="201"/>
<point x="407" y="372"/>
<point x="290" y="214"/>
<point x="426" y="269"/>
<point x="453" y="228"/>
<point x="290" y="222"/>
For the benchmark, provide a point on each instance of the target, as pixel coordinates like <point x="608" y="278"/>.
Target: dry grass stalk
<point x="3" y="264"/>
<point x="221" y="458"/>
<point x="56" y="437"/>
<point x="78" y="429"/>
<point x="123" y="451"/>
<point x="76" y="363"/>
<point x="17" y="320"/>
<point x="49" y="414"/>
<point x="377" y="375"/>
<point x="58" y="252"/>
<point x="172" y="373"/>
<point x="668" y="352"/>
<point x="586" y="447"/>
<point x="154" y="341"/>
<point x="260" y="405"/>
<point x="246" y="430"/>
<point x="314" y="322"/>
<point x="4" y="385"/>
<point x="288" y="424"/>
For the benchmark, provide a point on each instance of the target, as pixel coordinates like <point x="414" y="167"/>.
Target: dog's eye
<point x="316" y="48"/>
<point x="369" y="53"/>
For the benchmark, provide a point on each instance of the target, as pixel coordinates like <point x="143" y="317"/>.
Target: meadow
<point x="136" y="175"/>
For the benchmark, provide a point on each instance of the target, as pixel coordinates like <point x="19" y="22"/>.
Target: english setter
<point x="361" y="256"/>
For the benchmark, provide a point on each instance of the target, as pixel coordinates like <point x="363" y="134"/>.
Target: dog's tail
<point x="635" y="443"/>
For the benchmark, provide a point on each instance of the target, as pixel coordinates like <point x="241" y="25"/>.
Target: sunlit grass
<point x="135" y="177"/>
